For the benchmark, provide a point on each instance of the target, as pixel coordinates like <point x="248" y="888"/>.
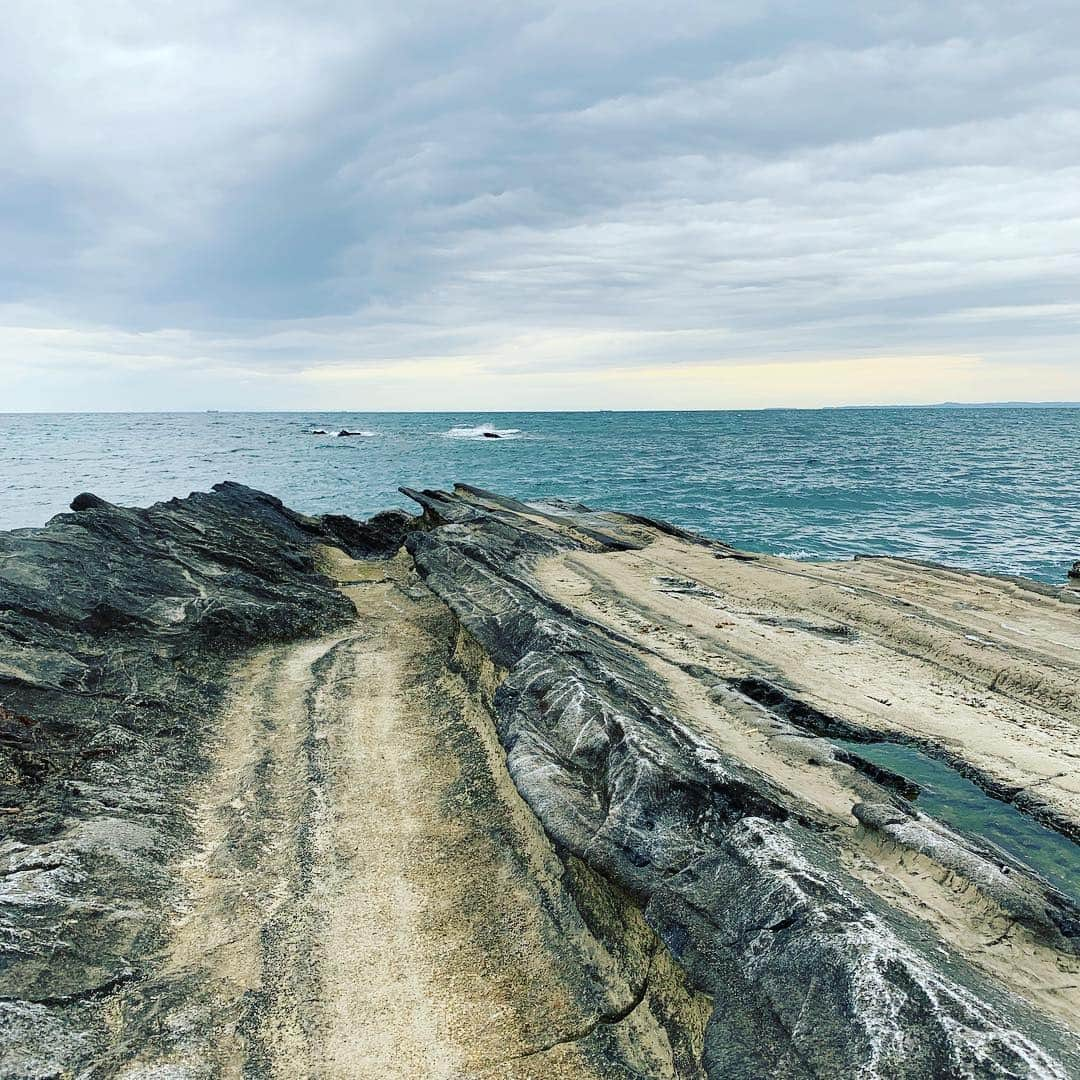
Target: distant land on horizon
<point x="505" y="412"/>
<point x="1008" y="405"/>
<point x="974" y="405"/>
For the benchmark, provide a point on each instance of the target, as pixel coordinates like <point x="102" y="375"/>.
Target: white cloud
<point x="265" y="190"/>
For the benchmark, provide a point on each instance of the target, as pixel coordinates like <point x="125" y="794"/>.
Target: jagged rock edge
<point x="969" y="1032"/>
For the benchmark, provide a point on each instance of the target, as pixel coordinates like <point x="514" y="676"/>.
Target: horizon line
<point x="511" y="412"/>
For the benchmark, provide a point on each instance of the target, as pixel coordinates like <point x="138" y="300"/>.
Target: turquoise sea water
<point x="995" y="489"/>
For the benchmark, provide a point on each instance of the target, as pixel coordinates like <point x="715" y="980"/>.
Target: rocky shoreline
<point x="598" y="798"/>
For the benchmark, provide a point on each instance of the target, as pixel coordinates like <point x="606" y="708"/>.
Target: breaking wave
<point x="483" y="431"/>
<point x="344" y="433"/>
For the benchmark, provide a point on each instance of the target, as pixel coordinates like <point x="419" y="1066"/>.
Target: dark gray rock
<point x="116" y="626"/>
<point x="87" y="501"/>
<point x="382" y="534"/>
<point x="811" y="975"/>
<point x="116" y="629"/>
<point x="1074" y="571"/>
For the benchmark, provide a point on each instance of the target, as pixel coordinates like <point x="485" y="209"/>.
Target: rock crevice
<point x="507" y="789"/>
<point x="595" y="748"/>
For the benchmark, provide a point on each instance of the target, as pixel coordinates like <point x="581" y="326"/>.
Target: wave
<point x="483" y="431"/>
<point x="802" y="555"/>
<point x="344" y="432"/>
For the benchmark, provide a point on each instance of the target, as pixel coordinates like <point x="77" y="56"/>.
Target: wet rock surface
<point x="689" y="914"/>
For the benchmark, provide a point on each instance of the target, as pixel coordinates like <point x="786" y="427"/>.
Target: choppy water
<point x="994" y="489"/>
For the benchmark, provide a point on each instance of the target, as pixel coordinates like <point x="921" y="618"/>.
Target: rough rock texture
<point x="115" y="629"/>
<point x="811" y="975"/>
<point x="549" y="793"/>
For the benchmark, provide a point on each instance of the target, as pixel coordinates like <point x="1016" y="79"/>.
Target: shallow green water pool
<point x="962" y="805"/>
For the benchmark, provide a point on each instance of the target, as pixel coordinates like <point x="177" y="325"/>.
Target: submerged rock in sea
<point x="1074" y="570"/>
<point x="702" y="885"/>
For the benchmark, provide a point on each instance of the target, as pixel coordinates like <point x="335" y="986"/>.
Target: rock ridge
<point x="716" y="890"/>
<point x="744" y="894"/>
<point x="116" y="629"/>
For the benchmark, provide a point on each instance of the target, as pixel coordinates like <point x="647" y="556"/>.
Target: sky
<point x="304" y="205"/>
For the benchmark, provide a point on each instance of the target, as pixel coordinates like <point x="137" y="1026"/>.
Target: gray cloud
<point x="273" y="187"/>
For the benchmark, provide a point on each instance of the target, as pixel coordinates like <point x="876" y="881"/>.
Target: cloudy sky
<point x="260" y="204"/>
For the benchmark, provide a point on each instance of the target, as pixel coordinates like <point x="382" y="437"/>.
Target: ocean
<point x="990" y="489"/>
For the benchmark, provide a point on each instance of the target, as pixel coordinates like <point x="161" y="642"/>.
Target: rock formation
<point x="518" y="790"/>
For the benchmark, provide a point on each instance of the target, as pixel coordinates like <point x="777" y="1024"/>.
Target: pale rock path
<point x="371" y="898"/>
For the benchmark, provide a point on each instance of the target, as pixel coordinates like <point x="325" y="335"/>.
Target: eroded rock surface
<point x="810" y="972"/>
<point x="116" y="629"/>
<point x="546" y="792"/>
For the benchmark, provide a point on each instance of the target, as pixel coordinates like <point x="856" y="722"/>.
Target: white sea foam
<point x="483" y="431"/>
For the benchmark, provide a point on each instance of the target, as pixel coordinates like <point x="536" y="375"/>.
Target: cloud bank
<point x="537" y="205"/>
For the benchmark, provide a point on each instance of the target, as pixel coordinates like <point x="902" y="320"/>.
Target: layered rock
<point x="117" y="627"/>
<point x="811" y="974"/>
<point x="699" y="882"/>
